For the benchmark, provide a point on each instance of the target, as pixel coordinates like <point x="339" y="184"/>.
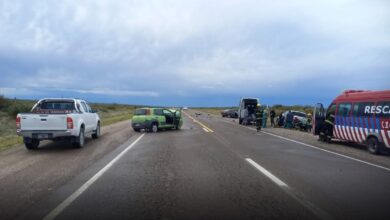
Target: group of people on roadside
<point x="262" y="116"/>
<point x="286" y="121"/>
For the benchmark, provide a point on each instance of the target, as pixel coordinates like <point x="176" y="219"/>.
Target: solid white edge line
<point x="266" y="173"/>
<point x="317" y="148"/>
<point x="331" y="152"/>
<point x="56" y="211"/>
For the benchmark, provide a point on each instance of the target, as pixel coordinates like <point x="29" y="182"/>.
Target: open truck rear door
<point x="318" y="118"/>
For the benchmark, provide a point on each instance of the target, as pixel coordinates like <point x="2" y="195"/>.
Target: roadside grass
<point x="116" y="118"/>
<point x="109" y="114"/>
<point x="10" y="141"/>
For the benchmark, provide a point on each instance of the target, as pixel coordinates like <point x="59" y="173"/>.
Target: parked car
<point x="298" y="117"/>
<point x="247" y="110"/>
<point x="229" y="113"/>
<point x="154" y="119"/>
<point x="58" y="118"/>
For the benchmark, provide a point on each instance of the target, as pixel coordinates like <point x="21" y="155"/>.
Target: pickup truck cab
<point x="154" y="119"/>
<point x="56" y="119"/>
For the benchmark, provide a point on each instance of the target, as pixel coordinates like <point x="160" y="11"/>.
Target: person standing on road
<point x="259" y="117"/>
<point x="272" y="116"/>
<point x="289" y="120"/>
<point x="281" y="120"/>
<point x="326" y="132"/>
<point x="265" y="116"/>
<point x="308" y="123"/>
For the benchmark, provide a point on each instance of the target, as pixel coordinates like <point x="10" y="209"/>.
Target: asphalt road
<point x="210" y="169"/>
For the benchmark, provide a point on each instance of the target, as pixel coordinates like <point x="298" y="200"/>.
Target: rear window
<point x="53" y="107"/>
<point x="58" y="105"/>
<point x="142" y="111"/>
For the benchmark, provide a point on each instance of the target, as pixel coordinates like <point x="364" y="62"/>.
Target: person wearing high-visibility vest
<point x="259" y="117"/>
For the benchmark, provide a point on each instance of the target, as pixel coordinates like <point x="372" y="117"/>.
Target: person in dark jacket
<point x="281" y="120"/>
<point x="259" y="117"/>
<point x="326" y="132"/>
<point x="289" y="120"/>
<point x="272" y="117"/>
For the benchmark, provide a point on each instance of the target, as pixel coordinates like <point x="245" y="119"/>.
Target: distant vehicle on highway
<point x="154" y="119"/>
<point x="247" y="109"/>
<point x="58" y="118"/>
<point x="229" y="113"/>
<point x="360" y="116"/>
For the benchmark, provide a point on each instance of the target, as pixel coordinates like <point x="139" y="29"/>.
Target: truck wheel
<point x="373" y="145"/>
<point x="136" y="129"/>
<point x="154" y="127"/>
<point x="33" y="145"/>
<point x="80" y="140"/>
<point x="239" y="121"/>
<point x="96" y="135"/>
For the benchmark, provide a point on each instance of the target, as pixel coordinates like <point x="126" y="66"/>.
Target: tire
<point x="96" y="135"/>
<point x="80" y="140"/>
<point x="33" y="145"/>
<point x="373" y="145"/>
<point x="136" y="129"/>
<point x="240" y="121"/>
<point x="154" y="128"/>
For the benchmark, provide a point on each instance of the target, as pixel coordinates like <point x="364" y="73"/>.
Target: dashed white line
<point x="55" y="212"/>
<point x="331" y="152"/>
<point x="267" y="173"/>
<point x="317" y="148"/>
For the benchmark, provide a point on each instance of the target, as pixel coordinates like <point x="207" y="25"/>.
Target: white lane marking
<point x="295" y="195"/>
<point x="55" y="212"/>
<point x="331" y="152"/>
<point x="317" y="148"/>
<point x="205" y="129"/>
<point x="266" y="173"/>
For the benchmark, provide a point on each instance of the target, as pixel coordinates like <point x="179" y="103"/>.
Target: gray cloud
<point x="182" y="48"/>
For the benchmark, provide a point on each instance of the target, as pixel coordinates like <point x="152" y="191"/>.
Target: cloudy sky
<point x="195" y="53"/>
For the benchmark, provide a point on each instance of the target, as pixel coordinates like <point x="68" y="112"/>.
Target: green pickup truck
<point x="153" y="119"/>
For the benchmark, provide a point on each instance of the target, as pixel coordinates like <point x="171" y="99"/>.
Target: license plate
<point x="43" y="136"/>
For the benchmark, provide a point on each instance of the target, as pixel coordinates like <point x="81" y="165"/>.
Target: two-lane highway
<point x="214" y="169"/>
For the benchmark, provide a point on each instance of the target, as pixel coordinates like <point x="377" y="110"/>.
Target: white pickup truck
<point x="56" y="119"/>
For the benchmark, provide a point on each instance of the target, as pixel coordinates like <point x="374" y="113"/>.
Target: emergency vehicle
<point x="359" y="116"/>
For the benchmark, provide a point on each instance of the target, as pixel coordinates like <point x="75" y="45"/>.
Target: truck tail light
<point x="18" y="122"/>
<point x="69" y="123"/>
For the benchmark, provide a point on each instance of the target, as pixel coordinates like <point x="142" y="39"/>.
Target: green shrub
<point x="3" y="102"/>
<point x="15" y="108"/>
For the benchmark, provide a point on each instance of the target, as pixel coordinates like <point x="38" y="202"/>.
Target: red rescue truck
<point x="360" y="116"/>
